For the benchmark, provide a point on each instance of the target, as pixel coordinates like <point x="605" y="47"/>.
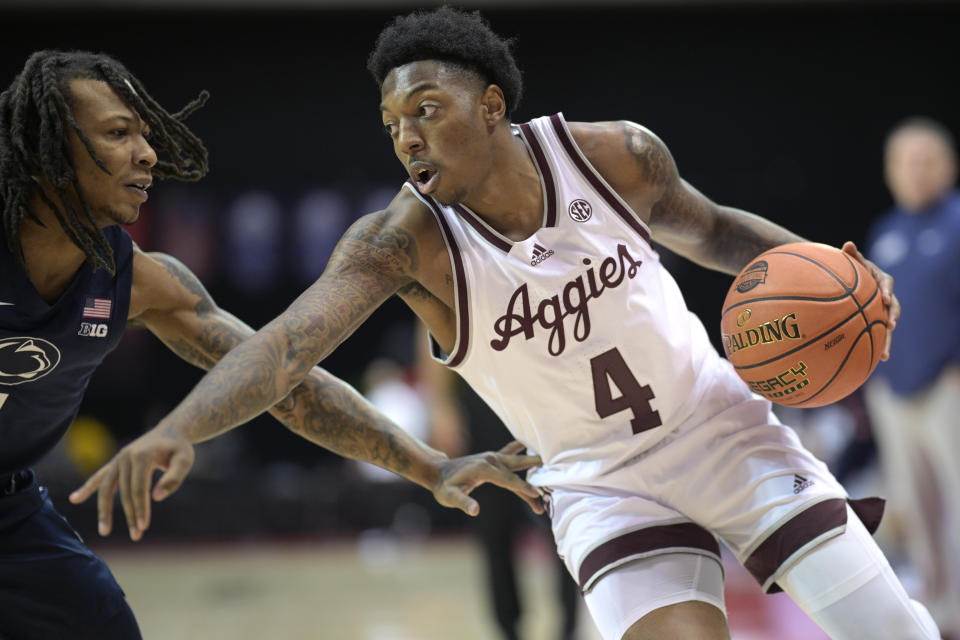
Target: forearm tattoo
<point x="328" y="412"/>
<point x="369" y="265"/>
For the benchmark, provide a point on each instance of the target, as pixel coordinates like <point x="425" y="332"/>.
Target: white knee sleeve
<point x="626" y="594"/>
<point x="847" y="587"/>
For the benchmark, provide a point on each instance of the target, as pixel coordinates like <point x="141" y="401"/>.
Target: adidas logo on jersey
<point x="93" y="330"/>
<point x="540" y="253"/>
<point x="800" y="483"/>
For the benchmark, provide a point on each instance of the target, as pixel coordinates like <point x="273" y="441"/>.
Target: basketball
<point x="804" y="324"/>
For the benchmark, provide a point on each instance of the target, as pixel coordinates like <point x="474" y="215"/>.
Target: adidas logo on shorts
<point x="800" y="483"/>
<point x="540" y="253"/>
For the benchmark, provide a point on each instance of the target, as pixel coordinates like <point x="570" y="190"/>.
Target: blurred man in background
<point x="914" y="398"/>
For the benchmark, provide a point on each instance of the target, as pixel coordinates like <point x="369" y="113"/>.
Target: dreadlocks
<point x="35" y="120"/>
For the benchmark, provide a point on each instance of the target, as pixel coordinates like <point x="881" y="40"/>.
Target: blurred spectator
<point x="254" y="228"/>
<point x="461" y="420"/>
<point x="319" y="220"/>
<point x="386" y="387"/>
<point x="914" y="397"/>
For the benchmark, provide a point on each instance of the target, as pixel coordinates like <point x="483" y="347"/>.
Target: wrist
<point x="167" y="428"/>
<point x="429" y="469"/>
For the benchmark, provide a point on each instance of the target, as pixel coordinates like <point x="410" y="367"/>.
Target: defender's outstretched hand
<point x="460" y="476"/>
<point x="885" y="280"/>
<point x="131" y="470"/>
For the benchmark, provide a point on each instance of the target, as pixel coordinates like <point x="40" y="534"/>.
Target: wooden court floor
<point x="373" y="587"/>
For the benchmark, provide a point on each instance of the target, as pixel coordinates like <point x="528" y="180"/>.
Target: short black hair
<point x="35" y="121"/>
<point x="460" y="38"/>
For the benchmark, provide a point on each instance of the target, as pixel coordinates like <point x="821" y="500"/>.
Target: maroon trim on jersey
<point x="818" y="520"/>
<point x="869" y="510"/>
<point x="474" y="221"/>
<point x="463" y="318"/>
<point x="684" y="536"/>
<point x="549" y="186"/>
<point x="594" y="179"/>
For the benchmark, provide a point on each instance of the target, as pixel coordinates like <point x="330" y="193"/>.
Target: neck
<point x="510" y="198"/>
<point x="51" y="256"/>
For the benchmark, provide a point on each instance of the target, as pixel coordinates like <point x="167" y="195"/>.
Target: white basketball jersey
<point x="577" y="336"/>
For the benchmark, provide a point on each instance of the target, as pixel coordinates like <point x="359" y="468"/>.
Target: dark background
<point x="777" y="108"/>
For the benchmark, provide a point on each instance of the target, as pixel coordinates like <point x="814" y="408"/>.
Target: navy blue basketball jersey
<point x="48" y="352"/>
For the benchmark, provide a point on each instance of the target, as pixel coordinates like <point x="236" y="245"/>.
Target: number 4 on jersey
<point x="634" y="396"/>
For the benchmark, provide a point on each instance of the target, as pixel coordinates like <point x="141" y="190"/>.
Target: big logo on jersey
<point x="26" y="359"/>
<point x="572" y="300"/>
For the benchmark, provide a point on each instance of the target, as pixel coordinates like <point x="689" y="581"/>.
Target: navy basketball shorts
<point x="52" y="586"/>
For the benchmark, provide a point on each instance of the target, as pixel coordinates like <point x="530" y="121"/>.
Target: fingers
<point x="171" y="480"/>
<point x="513" y="447"/>
<point x="140" y="473"/>
<point x="520" y="463"/>
<point x="851" y="248"/>
<point x="885" y="283"/>
<point x="126" y="501"/>
<point x="521" y="488"/>
<point x="88" y="487"/>
<point x="457" y="499"/>
<point x="893" y="314"/>
<point x="108" y="489"/>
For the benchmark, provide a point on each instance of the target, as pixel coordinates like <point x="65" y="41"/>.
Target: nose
<point x="409" y="139"/>
<point x="144" y="155"/>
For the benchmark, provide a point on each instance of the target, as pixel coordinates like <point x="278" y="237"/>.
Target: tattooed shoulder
<point x="187" y="278"/>
<point x="652" y="156"/>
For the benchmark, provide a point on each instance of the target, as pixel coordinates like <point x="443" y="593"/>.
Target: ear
<point x="493" y="104"/>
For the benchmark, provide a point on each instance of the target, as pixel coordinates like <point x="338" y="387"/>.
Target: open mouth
<point x="425" y="179"/>
<point x="140" y="188"/>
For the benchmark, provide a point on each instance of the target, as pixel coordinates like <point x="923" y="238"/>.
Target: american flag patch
<point x="96" y="308"/>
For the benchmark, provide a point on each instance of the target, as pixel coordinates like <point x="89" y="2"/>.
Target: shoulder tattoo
<point x="651" y="155"/>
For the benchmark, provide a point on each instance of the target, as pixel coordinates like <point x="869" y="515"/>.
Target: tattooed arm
<point x="169" y="300"/>
<point x="640" y="168"/>
<point x="323" y="409"/>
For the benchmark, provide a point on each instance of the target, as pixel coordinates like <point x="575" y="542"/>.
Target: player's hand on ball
<point x="460" y="476"/>
<point x="885" y="281"/>
<point x="131" y="471"/>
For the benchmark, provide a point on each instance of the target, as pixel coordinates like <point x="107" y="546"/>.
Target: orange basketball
<point x="804" y="324"/>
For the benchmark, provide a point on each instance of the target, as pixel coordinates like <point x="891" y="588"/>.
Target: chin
<point x="128" y="217"/>
<point x="450" y="199"/>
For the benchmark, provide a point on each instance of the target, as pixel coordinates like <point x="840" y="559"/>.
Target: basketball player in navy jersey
<point x="525" y="248"/>
<point x="79" y="137"/>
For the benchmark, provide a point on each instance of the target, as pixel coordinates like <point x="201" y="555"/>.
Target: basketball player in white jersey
<point x="526" y="251"/>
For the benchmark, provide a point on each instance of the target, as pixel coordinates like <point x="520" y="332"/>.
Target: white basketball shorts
<point x="730" y="472"/>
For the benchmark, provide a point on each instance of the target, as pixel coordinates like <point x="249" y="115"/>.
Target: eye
<point x="117" y="133"/>
<point x="390" y="128"/>
<point x="427" y="110"/>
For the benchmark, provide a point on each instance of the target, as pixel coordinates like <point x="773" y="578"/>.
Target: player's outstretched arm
<point x="172" y="303"/>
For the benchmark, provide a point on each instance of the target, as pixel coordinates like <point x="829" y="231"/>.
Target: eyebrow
<point x="423" y="86"/>
<point x="129" y="120"/>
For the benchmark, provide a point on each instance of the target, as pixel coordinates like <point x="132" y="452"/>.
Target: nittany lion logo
<point x="26" y="359"/>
